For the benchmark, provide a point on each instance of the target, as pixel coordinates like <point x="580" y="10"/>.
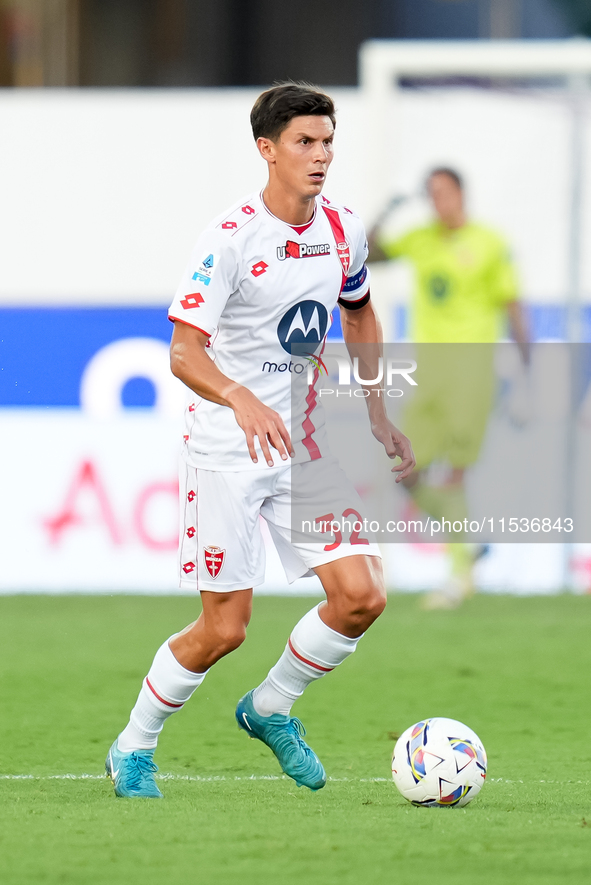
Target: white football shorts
<point x="221" y="545"/>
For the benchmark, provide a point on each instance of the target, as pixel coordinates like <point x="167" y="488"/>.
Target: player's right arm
<point x="212" y="275"/>
<point x="190" y="363"/>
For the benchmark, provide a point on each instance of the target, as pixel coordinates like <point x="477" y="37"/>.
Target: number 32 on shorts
<point x="329" y="524"/>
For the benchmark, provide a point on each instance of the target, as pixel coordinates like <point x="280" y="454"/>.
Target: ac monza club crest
<point x="214" y="560"/>
<point x="345" y="256"/>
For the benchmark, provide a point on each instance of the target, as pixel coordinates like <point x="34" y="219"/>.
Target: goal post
<point x="383" y="64"/>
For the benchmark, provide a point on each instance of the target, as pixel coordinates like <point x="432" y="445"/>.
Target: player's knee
<point x="378" y="603"/>
<point x="364" y="606"/>
<point x="373" y="603"/>
<point x="230" y="636"/>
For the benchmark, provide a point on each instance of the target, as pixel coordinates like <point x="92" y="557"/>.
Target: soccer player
<point x="465" y="291"/>
<point x="264" y="278"/>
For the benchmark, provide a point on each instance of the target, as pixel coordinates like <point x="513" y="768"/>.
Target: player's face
<point x="447" y="198"/>
<point x="302" y="154"/>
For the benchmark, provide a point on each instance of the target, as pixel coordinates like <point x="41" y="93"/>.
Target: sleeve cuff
<point x="354" y="305"/>
<point x="174" y="319"/>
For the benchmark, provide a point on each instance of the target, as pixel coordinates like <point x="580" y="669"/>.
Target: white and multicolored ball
<point x="439" y="763"/>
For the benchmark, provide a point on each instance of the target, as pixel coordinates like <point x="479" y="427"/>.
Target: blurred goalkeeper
<point x="466" y="291"/>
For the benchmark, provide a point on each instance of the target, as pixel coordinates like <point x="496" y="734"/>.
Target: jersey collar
<point x="298" y="230"/>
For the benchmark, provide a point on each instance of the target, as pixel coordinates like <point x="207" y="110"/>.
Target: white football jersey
<point x="259" y="287"/>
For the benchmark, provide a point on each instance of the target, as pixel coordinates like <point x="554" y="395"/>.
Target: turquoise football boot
<point x="283" y="735"/>
<point x="132" y="774"/>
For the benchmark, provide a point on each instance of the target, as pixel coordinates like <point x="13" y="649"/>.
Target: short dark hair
<point x="446" y="170"/>
<point x="275" y="109"/>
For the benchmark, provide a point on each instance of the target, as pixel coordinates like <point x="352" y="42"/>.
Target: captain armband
<point x="354" y="305"/>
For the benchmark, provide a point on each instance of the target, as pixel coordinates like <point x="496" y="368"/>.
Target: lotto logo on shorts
<point x="214" y="560"/>
<point x="188" y="567"/>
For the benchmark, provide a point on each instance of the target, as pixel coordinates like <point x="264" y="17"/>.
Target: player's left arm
<point x="362" y="332"/>
<point x="505" y="290"/>
<point x="519" y="330"/>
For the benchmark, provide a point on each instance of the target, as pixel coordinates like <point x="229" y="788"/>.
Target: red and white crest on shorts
<point x="214" y="560"/>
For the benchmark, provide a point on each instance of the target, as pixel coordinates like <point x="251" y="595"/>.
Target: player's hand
<point x="257" y="419"/>
<point x="396" y="445"/>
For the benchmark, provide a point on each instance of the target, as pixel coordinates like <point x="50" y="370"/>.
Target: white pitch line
<point x="251" y="777"/>
<point x="179" y="777"/>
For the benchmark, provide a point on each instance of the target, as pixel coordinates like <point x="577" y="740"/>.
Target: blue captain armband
<point x="356" y="282"/>
<point x="353" y="285"/>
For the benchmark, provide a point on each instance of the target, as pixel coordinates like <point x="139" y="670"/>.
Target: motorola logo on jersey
<point x="305" y="323"/>
<point x="301" y="250"/>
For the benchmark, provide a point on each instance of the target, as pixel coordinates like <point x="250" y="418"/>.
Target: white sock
<point x="164" y="691"/>
<point x="313" y="649"/>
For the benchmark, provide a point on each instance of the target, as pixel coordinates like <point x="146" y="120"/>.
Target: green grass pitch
<point x="516" y="670"/>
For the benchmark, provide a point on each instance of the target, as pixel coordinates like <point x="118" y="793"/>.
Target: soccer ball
<point x="439" y="763"/>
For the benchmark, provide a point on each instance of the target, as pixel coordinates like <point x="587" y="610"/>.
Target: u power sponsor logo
<point x="302" y="250"/>
<point x="305" y="323"/>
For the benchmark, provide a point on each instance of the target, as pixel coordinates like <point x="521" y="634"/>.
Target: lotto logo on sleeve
<point x="193" y="300"/>
<point x="214" y="560"/>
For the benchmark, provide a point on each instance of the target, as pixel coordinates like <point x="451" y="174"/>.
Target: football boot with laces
<point x="132" y="774"/>
<point x="284" y="736"/>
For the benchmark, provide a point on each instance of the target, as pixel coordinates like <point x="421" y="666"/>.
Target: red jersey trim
<point x="304" y="227"/>
<point x="338" y="233"/>
<point x="308" y="442"/>
<point x="306" y="661"/>
<point x="185" y="323"/>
